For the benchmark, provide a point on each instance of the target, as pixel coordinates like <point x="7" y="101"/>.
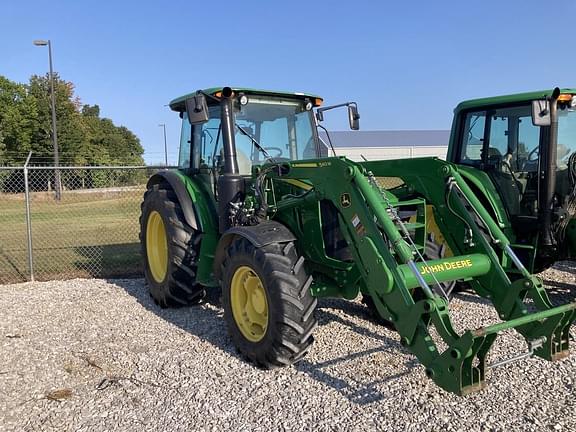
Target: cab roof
<point x="178" y="104"/>
<point x="507" y="99"/>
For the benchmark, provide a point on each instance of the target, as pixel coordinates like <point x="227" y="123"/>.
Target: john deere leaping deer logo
<point x="345" y="200"/>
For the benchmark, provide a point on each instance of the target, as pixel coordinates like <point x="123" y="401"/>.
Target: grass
<point x="83" y="235"/>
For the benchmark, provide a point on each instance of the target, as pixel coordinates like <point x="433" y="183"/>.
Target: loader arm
<point x="405" y="287"/>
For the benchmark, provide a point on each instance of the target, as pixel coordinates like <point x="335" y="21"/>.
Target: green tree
<point x="114" y="145"/>
<point x="69" y="122"/>
<point x="18" y="113"/>
<point x="84" y="138"/>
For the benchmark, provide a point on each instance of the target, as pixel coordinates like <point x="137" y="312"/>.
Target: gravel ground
<point x="99" y="355"/>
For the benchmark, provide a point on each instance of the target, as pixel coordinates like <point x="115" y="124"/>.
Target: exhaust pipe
<point x="228" y="140"/>
<point x="548" y="179"/>
<point x="231" y="183"/>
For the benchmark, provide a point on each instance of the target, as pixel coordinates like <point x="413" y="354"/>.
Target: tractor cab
<point x="525" y="144"/>
<point x="266" y="126"/>
<point x="228" y="132"/>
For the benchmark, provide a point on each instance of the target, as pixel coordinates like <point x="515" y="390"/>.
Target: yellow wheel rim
<point x="157" y="247"/>
<point x="249" y="304"/>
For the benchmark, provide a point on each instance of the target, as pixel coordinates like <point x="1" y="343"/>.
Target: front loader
<point x="259" y="210"/>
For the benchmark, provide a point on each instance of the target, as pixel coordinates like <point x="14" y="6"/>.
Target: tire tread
<point x="292" y="321"/>
<point x="179" y="288"/>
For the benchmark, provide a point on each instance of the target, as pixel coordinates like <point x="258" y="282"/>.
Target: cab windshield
<point x="282" y="127"/>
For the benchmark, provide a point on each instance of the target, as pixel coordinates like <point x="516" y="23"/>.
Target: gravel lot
<point x="99" y="355"/>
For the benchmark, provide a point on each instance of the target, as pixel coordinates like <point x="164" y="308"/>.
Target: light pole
<point x="58" y="184"/>
<point x="163" y="125"/>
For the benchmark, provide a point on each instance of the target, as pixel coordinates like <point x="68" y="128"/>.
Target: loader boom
<point x="387" y="260"/>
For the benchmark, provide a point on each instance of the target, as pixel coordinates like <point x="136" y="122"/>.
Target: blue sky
<point x="407" y="64"/>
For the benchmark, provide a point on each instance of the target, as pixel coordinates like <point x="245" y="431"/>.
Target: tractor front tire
<point x="268" y="307"/>
<point x="170" y="249"/>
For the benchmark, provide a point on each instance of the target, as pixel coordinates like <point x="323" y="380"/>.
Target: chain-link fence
<point x="91" y="231"/>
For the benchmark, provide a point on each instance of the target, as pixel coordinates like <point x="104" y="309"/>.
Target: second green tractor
<point x="518" y="155"/>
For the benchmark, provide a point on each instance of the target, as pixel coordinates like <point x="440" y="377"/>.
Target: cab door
<point x="200" y="149"/>
<point x="505" y="144"/>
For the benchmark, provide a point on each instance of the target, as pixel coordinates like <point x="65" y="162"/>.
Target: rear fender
<point x="178" y="185"/>
<point x="200" y="213"/>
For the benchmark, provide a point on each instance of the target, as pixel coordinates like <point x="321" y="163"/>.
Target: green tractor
<point x="518" y="155"/>
<point x="259" y="211"/>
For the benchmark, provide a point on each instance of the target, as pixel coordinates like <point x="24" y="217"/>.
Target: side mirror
<point x="197" y="109"/>
<point x="541" y="109"/>
<point x="541" y="112"/>
<point x="353" y="117"/>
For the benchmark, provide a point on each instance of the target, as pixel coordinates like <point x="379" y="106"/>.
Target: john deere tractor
<point x="259" y="211"/>
<point x="518" y="155"/>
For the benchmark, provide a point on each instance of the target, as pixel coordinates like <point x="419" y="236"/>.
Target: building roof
<point x="388" y="138"/>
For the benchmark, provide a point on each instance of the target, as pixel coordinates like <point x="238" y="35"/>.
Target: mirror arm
<point x="319" y="111"/>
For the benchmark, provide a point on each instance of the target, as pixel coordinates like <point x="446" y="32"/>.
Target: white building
<point x="379" y="145"/>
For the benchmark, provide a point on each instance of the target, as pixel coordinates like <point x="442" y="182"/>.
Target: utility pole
<point x="57" y="181"/>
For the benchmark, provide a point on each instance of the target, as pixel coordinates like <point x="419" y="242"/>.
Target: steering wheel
<point x="530" y="163"/>
<point x="276" y="149"/>
<point x="534" y="151"/>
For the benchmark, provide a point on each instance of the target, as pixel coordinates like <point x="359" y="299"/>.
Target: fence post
<point x="28" y="219"/>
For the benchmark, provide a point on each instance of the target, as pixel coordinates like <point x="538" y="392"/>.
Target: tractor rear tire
<point x="170" y="249"/>
<point x="268" y="307"/>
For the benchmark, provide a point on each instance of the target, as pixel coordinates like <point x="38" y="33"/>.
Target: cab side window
<point x="514" y="140"/>
<point x="185" y="140"/>
<point x="200" y="144"/>
<point x="498" y="136"/>
<point x="473" y="138"/>
<point x="207" y="142"/>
